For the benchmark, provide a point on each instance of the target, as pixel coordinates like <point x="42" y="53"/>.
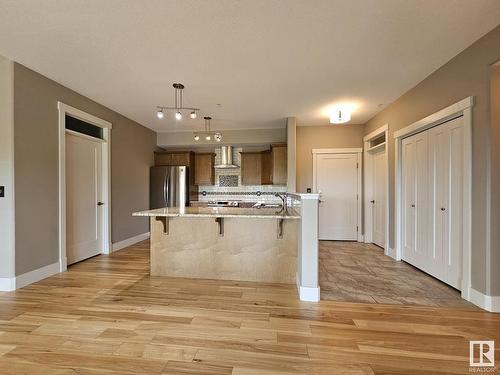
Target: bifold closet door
<point x="446" y="181"/>
<point x="415" y="199"/>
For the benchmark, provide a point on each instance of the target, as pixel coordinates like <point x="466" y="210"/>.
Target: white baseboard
<point x="489" y="303"/>
<point x="13" y="283"/>
<point x="392" y="253"/>
<point x="130" y="241"/>
<point x="7" y="284"/>
<point x="309" y="294"/>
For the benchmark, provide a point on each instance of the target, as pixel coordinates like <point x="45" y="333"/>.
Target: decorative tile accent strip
<point x="257" y="193"/>
<point x="228" y="180"/>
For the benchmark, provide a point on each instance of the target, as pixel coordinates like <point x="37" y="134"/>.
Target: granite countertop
<point x="238" y="212"/>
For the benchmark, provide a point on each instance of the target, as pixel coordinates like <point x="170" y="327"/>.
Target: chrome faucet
<point x="283" y="200"/>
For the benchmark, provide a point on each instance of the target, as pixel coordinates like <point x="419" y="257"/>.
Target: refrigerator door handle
<point x="165" y="189"/>
<point x="167" y="184"/>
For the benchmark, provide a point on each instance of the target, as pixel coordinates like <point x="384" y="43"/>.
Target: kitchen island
<point x="227" y="243"/>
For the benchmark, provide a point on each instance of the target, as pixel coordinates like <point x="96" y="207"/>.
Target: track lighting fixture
<point x="178" y="106"/>
<point x="217" y="136"/>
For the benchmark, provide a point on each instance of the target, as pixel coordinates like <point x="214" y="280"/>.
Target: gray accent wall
<point x="36" y="168"/>
<point x="467" y="74"/>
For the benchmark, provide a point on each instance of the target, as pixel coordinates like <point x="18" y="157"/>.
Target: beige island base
<point x="224" y="243"/>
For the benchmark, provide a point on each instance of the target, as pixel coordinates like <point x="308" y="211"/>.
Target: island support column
<point x="308" y="249"/>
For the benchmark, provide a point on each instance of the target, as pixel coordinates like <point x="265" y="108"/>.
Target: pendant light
<point x="178" y="106"/>
<point x="208" y="134"/>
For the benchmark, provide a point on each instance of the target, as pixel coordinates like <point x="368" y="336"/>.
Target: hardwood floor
<point x="359" y="272"/>
<point x="108" y="316"/>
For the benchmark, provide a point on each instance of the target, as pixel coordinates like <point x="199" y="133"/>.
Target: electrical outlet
<point x="2" y="191"/>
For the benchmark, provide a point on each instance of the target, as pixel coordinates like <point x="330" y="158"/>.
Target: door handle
<point x="100" y="203"/>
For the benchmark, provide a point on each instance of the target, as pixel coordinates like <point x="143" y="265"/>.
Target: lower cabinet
<point x="432" y="211"/>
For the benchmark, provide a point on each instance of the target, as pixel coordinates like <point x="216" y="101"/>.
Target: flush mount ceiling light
<point x="217" y="136"/>
<point x="178" y="106"/>
<point x="340" y="116"/>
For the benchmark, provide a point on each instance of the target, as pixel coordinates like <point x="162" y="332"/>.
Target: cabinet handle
<point x="372" y="201"/>
<point x="443" y="209"/>
<point x="413" y="205"/>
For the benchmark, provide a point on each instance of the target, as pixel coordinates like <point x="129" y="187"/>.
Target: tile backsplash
<point x="228" y="185"/>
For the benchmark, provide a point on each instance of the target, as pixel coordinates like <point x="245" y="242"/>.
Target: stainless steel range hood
<point x="226" y="158"/>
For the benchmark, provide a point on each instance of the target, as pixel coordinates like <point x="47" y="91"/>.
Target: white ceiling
<point x="261" y="60"/>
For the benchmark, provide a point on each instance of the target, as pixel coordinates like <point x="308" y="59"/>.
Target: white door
<point x="415" y="170"/>
<point x="83" y="194"/>
<point x="337" y="182"/>
<point x="432" y="178"/>
<point x="379" y="198"/>
<point x="446" y="180"/>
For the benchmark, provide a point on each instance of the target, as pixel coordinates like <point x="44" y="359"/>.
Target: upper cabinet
<point x="266" y="167"/>
<point x="205" y="169"/>
<point x="251" y="168"/>
<point x="279" y="164"/>
<point x="174" y="158"/>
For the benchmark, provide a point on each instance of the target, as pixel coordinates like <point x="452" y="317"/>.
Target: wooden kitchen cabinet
<point x="163" y="158"/>
<point x="265" y="167"/>
<point x="205" y="169"/>
<point x="279" y="164"/>
<point x="175" y="158"/>
<point x="251" y="168"/>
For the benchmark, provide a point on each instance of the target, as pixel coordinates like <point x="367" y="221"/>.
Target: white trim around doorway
<point x="64" y="110"/>
<point x="367" y="172"/>
<point x="461" y="108"/>
<point x="359" y="152"/>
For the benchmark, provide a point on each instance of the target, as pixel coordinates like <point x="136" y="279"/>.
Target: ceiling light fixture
<point x="208" y="133"/>
<point x="178" y="106"/>
<point x="340" y="116"/>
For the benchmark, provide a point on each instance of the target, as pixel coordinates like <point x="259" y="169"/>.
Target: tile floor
<point x="359" y="272"/>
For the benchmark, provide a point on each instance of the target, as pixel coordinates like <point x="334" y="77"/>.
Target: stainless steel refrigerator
<point x="169" y="187"/>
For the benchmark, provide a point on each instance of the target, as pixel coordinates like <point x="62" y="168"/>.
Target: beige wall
<point x="291" y="132"/>
<point x="230" y="137"/>
<point x="495" y="181"/>
<point x="6" y="169"/>
<point x="330" y="136"/>
<point x="36" y="167"/>
<point x="465" y="75"/>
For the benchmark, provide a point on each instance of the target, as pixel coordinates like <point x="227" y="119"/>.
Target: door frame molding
<point x="461" y="108"/>
<point x="359" y="152"/>
<point x="106" y="126"/>
<point x="368" y="187"/>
